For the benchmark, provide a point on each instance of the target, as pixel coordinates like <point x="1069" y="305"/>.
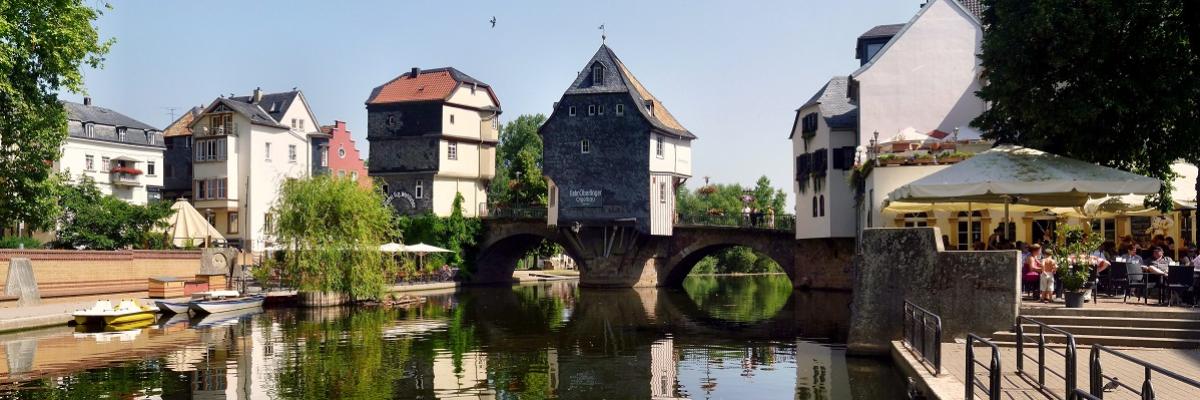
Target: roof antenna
<point x="603" y="34"/>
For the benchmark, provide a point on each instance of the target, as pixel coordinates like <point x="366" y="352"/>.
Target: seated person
<point x="1131" y="255"/>
<point x="1158" y="263"/>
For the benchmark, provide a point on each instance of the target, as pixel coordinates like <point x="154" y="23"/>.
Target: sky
<point x="732" y="72"/>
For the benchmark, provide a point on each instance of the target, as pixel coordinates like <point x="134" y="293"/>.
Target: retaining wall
<point x="73" y="272"/>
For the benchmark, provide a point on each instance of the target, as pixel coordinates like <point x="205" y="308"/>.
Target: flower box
<point x="126" y="170"/>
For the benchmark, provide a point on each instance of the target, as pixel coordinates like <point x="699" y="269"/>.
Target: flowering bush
<point x="126" y="170"/>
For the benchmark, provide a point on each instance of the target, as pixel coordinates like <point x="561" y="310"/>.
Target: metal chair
<point x="1179" y="280"/>
<point x="1117" y="279"/>
<point x="1135" y="279"/>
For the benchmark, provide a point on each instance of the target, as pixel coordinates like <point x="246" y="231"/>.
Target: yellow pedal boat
<point x="128" y="311"/>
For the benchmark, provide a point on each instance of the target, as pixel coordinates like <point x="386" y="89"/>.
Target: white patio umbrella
<point x="910" y="135"/>
<point x="421" y="249"/>
<point x="185" y="225"/>
<point x="392" y="247"/>
<point x="1018" y="175"/>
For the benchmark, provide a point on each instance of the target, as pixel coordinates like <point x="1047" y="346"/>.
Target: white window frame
<point x="341" y="151"/>
<point x="571" y="111"/>
<point x="106" y="164"/>
<point x="452" y="150"/>
<point x="89" y="129"/>
<point x="121" y="131"/>
<point x="585" y="146"/>
<point x="89" y="162"/>
<point x="620" y="109"/>
<point x="150" y="170"/>
<point x="419" y="190"/>
<point x="599" y="109"/>
<point x="292" y="153"/>
<point x="662" y="192"/>
<point x="659" y="147"/>
<point x="591" y="109"/>
<point x="324" y="156"/>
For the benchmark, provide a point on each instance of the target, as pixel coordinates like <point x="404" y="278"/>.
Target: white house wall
<point x="74" y="161"/>
<point x="446" y="188"/>
<point x="925" y="78"/>
<point x="676" y="159"/>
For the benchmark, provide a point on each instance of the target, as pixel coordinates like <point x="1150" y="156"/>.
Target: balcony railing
<point x="124" y="179"/>
<point x="778" y="222"/>
<point x="496" y="211"/>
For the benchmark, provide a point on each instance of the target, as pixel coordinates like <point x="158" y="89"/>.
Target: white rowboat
<point x="201" y="307"/>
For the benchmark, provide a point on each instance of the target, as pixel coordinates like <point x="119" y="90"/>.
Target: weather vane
<point x="603" y="34"/>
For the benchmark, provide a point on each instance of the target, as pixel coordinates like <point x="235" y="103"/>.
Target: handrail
<point x="1070" y="357"/>
<point x="780" y="222"/>
<point x="1080" y="394"/>
<point x="1096" y="376"/>
<point x="911" y="314"/>
<point x="993" y="386"/>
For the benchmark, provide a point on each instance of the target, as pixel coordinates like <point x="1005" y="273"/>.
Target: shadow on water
<point x="719" y="337"/>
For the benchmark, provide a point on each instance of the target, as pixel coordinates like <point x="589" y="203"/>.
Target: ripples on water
<point x="719" y="337"/>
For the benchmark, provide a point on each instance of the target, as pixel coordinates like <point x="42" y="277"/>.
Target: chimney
<point x="257" y="95"/>
<point x="87" y="101"/>
<point x="415" y="71"/>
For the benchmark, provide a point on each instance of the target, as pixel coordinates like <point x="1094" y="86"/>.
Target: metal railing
<point x="779" y="222"/>
<point x="496" y="211"/>
<point x="993" y="387"/>
<point x="918" y="324"/>
<point x="1069" y="355"/>
<point x="1081" y="394"/>
<point x="1096" y="378"/>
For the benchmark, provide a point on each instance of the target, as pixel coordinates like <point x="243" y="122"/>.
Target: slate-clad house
<point x="121" y="154"/>
<point x="177" y="160"/>
<point x="612" y="153"/>
<point x="433" y="135"/>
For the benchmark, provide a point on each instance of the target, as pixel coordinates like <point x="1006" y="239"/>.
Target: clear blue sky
<point x="732" y="72"/>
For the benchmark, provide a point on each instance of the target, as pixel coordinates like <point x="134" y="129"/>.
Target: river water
<point x="748" y="337"/>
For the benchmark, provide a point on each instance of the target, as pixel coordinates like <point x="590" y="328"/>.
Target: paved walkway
<point x="1114" y="303"/>
<point x="1014" y="386"/>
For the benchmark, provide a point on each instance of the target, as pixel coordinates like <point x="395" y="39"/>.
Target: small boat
<point x="127" y="311"/>
<point x="171" y="307"/>
<point x="224" y="318"/>
<point x="201" y="307"/>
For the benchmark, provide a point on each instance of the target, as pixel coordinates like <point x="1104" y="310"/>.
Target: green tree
<point x="456" y="233"/>
<point x="94" y="220"/>
<point x="332" y="229"/>
<point x="1112" y="82"/>
<point x="43" y="47"/>
<point x="519" y="178"/>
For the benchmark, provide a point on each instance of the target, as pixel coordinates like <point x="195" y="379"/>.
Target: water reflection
<point x="551" y="341"/>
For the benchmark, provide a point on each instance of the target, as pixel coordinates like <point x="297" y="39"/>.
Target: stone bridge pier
<point x="613" y="256"/>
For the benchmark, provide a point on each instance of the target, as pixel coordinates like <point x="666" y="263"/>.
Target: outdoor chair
<point x="1135" y="279"/>
<point x="1116" y="281"/>
<point x="1179" y="280"/>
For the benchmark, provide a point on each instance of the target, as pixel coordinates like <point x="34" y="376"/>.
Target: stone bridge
<point x="621" y="257"/>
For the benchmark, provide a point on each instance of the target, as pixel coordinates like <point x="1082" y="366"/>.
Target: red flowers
<point x="126" y="170"/>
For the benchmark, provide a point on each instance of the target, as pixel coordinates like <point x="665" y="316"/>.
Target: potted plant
<point x="923" y="158"/>
<point x="950" y="157"/>
<point x="890" y="160"/>
<point x="1075" y="262"/>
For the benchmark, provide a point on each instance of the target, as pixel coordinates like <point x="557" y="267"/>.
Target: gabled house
<point x="921" y="75"/>
<point x="433" y="135"/>
<point x="121" y="154"/>
<point x="243" y="149"/>
<point x="612" y="153"/>
<point x="177" y="160"/>
<point x="336" y="154"/>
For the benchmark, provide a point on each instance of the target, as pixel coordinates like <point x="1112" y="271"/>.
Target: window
<point x="354" y="175"/>
<point x="267" y="150"/>
<point x="149" y="137"/>
<point x="658" y="146"/>
<point x="585" y="146"/>
<point x="970" y="229"/>
<point x="211" y="217"/>
<point x="89" y="129"/>
<point x="210" y="150"/>
<point x="914" y="220"/>
<point x="591" y="109"/>
<point x="822" y="205"/>
<point x="387" y="189"/>
<point x="597" y="75"/>
<point x="808" y="124"/>
<point x="1108" y="227"/>
<point x="324" y="156"/>
<point x="198" y="189"/>
<point x="571" y="111"/>
<point x="301" y="124"/>
<point x="341" y="173"/>
<point x="419" y="191"/>
<point x="553" y="196"/>
<point x="391" y="120"/>
<point x="341" y="152"/>
<point x="89" y="162"/>
<point x="600" y="109"/>
<point x="1186" y="225"/>
<point x="814" y="207"/>
<point x="210" y="189"/>
<point x="121" y="133"/>
<point x="293" y="123"/>
<point x="233" y="223"/>
<point x="452" y="150"/>
<point x="268" y="222"/>
<point x="291" y="153"/>
<point x="451" y="119"/>
<point x="105" y="163"/>
<point x="150" y="168"/>
<point x="662" y="192"/>
<point x="620" y="109"/>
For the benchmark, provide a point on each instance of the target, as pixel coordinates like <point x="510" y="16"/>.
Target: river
<point x="743" y="337"/>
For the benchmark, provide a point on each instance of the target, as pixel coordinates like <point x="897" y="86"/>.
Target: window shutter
<point x="839" y="159"/>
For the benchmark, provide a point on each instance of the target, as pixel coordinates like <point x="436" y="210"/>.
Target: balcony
<point x="125" y="176"/>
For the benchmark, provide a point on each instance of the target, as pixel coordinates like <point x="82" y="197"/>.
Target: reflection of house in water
<point x="820" y="372"/>
<point x="240" y="363"/>
<point x="664" y="371"/>
<point x="468" y="382"/>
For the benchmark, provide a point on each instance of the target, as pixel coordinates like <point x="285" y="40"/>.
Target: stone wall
<point x="823" y="264"/>
<point x="972" y="291"/>
<point x="72" y="272"/>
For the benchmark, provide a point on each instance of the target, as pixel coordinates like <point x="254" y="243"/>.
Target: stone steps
<point x="1164" y="323"/>
<point x="1031" y="331"/>
<point x="1167" y="328"/>
<point x="1151" y="313"/>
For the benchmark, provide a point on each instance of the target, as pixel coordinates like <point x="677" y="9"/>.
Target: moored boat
<point x="201" y="307"/>
<point x="224" y="318"/>
<point x="171" y="307"/>
<point x="127" y="311"/>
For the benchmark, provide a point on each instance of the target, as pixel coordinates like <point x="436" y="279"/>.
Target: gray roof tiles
<point x="882" y="31"/>
<point x="834" y="104"/>
<point x="618" y="79"/>
<point x="103" y="116"/>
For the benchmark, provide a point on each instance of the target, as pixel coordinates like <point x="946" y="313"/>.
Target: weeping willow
<point x="331" y="230"/>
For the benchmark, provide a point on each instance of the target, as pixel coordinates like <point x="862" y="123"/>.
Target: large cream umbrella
<point x="185" y="225"/>
<point x="421" y="249"/>
<point x="1018" y="175"/>
<point x="392" y="247"/>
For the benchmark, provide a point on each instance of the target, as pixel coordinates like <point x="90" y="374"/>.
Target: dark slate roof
<point x="623" y="81"/>
<point x="882" y="31"/>
<point x="274" y="104"/>
<point x="103" y="116"/>
<point x="834" y="104"/>
<point x="975" y="7"/>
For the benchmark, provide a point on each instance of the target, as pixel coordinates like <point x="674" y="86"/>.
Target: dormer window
<point x="650" y="107"/>
<point x="89" y="129"/>
<point x="275" y="106"/>
<point x="121" y="133"/>
<point x="149" y="137"/>
<point x="597" y="75"/>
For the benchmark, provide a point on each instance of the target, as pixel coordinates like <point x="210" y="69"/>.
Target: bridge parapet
<point x="495" y="211"/>
<point x="780" y="222"/>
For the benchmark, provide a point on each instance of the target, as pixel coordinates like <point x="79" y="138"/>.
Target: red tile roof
<point x="426" y="86"/>
<point x="936" y="134"/>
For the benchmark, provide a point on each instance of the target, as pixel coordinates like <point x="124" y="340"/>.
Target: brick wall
<point x="60" y="269"/>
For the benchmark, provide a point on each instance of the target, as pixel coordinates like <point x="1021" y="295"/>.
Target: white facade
<point x="86" y="157"/>
<point x="467" y="150"/>
<point x="239" y="184"/>
<point x="826" y="209"/>
<point x="925" y="77"/>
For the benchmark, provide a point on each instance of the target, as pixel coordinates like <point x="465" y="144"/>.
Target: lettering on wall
<point x="400" y="194"/>
<point x="585" y="197"/>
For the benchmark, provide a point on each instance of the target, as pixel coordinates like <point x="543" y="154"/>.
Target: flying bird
<point x="493" y="21"/>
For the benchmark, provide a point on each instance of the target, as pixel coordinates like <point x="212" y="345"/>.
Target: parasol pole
<point x="970" y="224"/>
<point x="1007" y="200"/>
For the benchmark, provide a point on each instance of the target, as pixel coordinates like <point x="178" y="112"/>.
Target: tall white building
<point x="121" y="154"/>
<point x="243" y="149"/>
<point x="921" y="75"/>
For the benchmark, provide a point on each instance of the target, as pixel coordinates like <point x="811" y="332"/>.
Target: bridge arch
<point x="690" y="245"/>
<point x="506" y="242"/>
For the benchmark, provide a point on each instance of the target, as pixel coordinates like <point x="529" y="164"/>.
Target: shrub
<point x="17" y="242"/>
